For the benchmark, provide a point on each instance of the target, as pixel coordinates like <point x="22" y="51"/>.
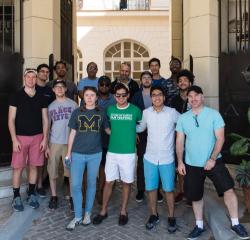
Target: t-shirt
<point x="47" y="92"/>
<point x="86" y="82"/>
<point x="28" y="121"/>
<point x="147" y="100"/>
<point x="200" y="139"/>
<point x="170" y="89"/>
<point x="59" y="115"/>
<point x="179" y="104"/>
<point x="123" y="128"/>
<point x="88" y="125"/>
<point x="157" y="82"/>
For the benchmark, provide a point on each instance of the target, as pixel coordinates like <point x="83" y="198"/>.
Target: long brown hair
<point x="93" y="89"/>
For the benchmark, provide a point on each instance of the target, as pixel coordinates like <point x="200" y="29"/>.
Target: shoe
<point x="123" y="219"/>
<point x="32" y="201"/>
<point x="71" y="226"/>
<point x="86" y="221"/>
<point x="159" y="197"/>
<point x="139" y="196"/>
<point x="152" y="222"/>
<point x="196" y="232"/>
<point x="172" y="225"/>
<point x="240" y="231"/>
<point x="99" y="218"/>
<point x="71" y="204"/>
<point x="179" y="197"/>
<point x="17" y="204"/>
<point x="41" y="192"/>
<point x="53" y="202"/>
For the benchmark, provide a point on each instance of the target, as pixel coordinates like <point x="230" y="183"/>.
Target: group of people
<point x="160" y="127"/>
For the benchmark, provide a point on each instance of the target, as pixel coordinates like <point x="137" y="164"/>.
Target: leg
<point x="198" y="209"/>
<point x="125" y="197"/>
<point x="16" y="177"/>
<point x="152" y="200"/>
<point x="107" y="191"/>
<point x="32" y="174"/>
<point x="40" y="177"/>
<point x="170" y="203"/>
<point x="231" y="203"/>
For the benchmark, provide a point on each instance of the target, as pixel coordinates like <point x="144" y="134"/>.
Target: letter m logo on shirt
<point x="92" y="124"/>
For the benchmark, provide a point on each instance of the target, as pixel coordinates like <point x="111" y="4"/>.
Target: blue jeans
<point x="78" y="164"/>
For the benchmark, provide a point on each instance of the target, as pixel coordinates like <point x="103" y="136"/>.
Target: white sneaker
<point x="71" y="226"/>
<point x="86" y="220"/>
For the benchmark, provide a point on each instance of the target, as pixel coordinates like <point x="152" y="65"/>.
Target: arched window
<point x="125" y="51"/>
<point x="79" y="65"/>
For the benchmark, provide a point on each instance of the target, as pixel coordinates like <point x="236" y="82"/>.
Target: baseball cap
<point x="29" y="70"/>
<point x="196" y="89"/>
<point x="59" y="81"/>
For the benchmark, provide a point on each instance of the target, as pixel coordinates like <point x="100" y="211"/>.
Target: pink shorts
<point x="30" y="153"/>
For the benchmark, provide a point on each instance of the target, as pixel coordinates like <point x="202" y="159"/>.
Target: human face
<point x="121" y="97"/>
<point x="59" y="90"/>
<point x="90" y="98"/>
<point x="92" y="70"/>
<point x="146" y="81"/>
<point x="183" y="83"/>
<point x="61" y="70"/>
<point x="124" y="72"/>
<point x="103" y="87"/>
<point x="195" y="99"/>
<point x="175" y="66"/>
<point x="154" y="68"/>
<point x="158" y="98"/>
<point x="30" y="80"/>
<point x="43" y="74"/>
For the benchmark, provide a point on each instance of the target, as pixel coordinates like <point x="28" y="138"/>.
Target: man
<point x="125" y="70"/>
<point x="120" y="160"/>
<point x="202" y="130"/>
<point x="159" y="157"/>
<point x="28" y="126"/>
<point x="154" y="66"/>
<point x="60" y="112"/>
<point x="105" y="99"/>
<point x="170" y="85"/>
<point x="185" y="79"/>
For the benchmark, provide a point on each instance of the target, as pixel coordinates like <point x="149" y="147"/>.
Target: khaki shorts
<point x="57" y="153"/>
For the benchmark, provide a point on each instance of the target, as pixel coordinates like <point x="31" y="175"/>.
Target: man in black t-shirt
<point x="28" y="126"/>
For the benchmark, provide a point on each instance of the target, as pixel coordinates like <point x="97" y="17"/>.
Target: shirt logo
<point x="92" y="124"/>
<point x="118" y="116"/>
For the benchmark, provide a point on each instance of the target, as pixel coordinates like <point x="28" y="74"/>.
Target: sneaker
<point x="71" y="226"/>
<point x="41" y="192"/>
<point x="71" y="204"/>
<point x="152" y="222"/>
<point x="139" y="196"/>
<point x="196" y="232"/>
<point x="123" y="219"/>
<point x="32" y="201"/>
<point x="17" y="204"/>
<point x="53" y="202"/>
<point x="240" y="231"/>
<point x="172" y="225"/>
<point x="99" y="218"/>
<point x="159" y="197"/>
<point x="86" y="221"/>
<point x="179" y="197"/>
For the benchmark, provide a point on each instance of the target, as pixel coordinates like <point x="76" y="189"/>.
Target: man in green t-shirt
<point x="120" y="160"/>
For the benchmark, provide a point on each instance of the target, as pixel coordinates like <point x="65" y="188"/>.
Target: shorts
<point x="120" y="166"/>
<point x="30" y="153"/>
<point x="57" y="153"/>
<point x="104" y="154"/>
<point x="195" y="178"/>
<point x="153" y="172"/>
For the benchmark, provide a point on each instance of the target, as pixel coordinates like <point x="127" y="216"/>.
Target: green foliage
<point x="240" y="147"/>
<point x="243" y="174"/>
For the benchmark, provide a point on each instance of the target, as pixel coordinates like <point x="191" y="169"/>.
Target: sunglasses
<point x="196" y="121"/>
<point x="121" y="95"/>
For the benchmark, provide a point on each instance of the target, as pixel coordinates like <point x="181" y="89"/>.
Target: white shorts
<point x="120" y="166"/>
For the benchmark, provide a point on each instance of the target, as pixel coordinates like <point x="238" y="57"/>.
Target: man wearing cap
<point x="28" y="126"/>
<point x="59" y="112"/>
<point x="202" y="130"/>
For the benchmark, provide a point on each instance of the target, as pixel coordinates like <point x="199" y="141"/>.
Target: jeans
<point x="78" y="164"/>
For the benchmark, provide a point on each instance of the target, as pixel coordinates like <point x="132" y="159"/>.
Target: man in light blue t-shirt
<point x="202" y="131"/>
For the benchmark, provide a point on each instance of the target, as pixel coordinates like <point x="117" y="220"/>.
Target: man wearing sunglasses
<point x="120" y="162"/>
<point x="202" y="130"/>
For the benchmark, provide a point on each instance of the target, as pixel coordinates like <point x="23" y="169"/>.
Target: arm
<point x="180" y="139"/>
<point x="12" y="129"/>
<point x="43" y="144"/>
<point x="142" y="124"/>
<point x="70" y="142"/>
<point x="108" y="131"/>
<point x="220" y="139"/>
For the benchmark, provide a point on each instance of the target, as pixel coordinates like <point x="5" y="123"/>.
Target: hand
<point x="16" y="146"/>
<point x="47" y="153"/>
<point x="181" y="169"/>
<point x="210" y="164"/>
<point x="43" y="145"/>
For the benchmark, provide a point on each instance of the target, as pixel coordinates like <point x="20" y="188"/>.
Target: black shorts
<point x="104" y="154"/>
<point x="195" y="178"/>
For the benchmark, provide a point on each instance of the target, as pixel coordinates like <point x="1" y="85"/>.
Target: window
<point x="126" y="51"/>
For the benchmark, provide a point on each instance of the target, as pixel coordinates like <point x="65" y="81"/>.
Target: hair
<point x="104" y="79"/>
<point x="186" y="73"/>
<point x="93" y="89"/>
<point x="90" y="64"/>
<point x="60" y="62"/>
<point x="157" y="88"/>
<point x="146" y="73"/>
<point x="126" y="64"/>
<point x="154" y="60"/>
<point x="175" y="59"/>
<point x="43" y="65"/>
<point x="119" y="86"/>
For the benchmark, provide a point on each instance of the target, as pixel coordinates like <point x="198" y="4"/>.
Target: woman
<point x="85" y="150"/>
